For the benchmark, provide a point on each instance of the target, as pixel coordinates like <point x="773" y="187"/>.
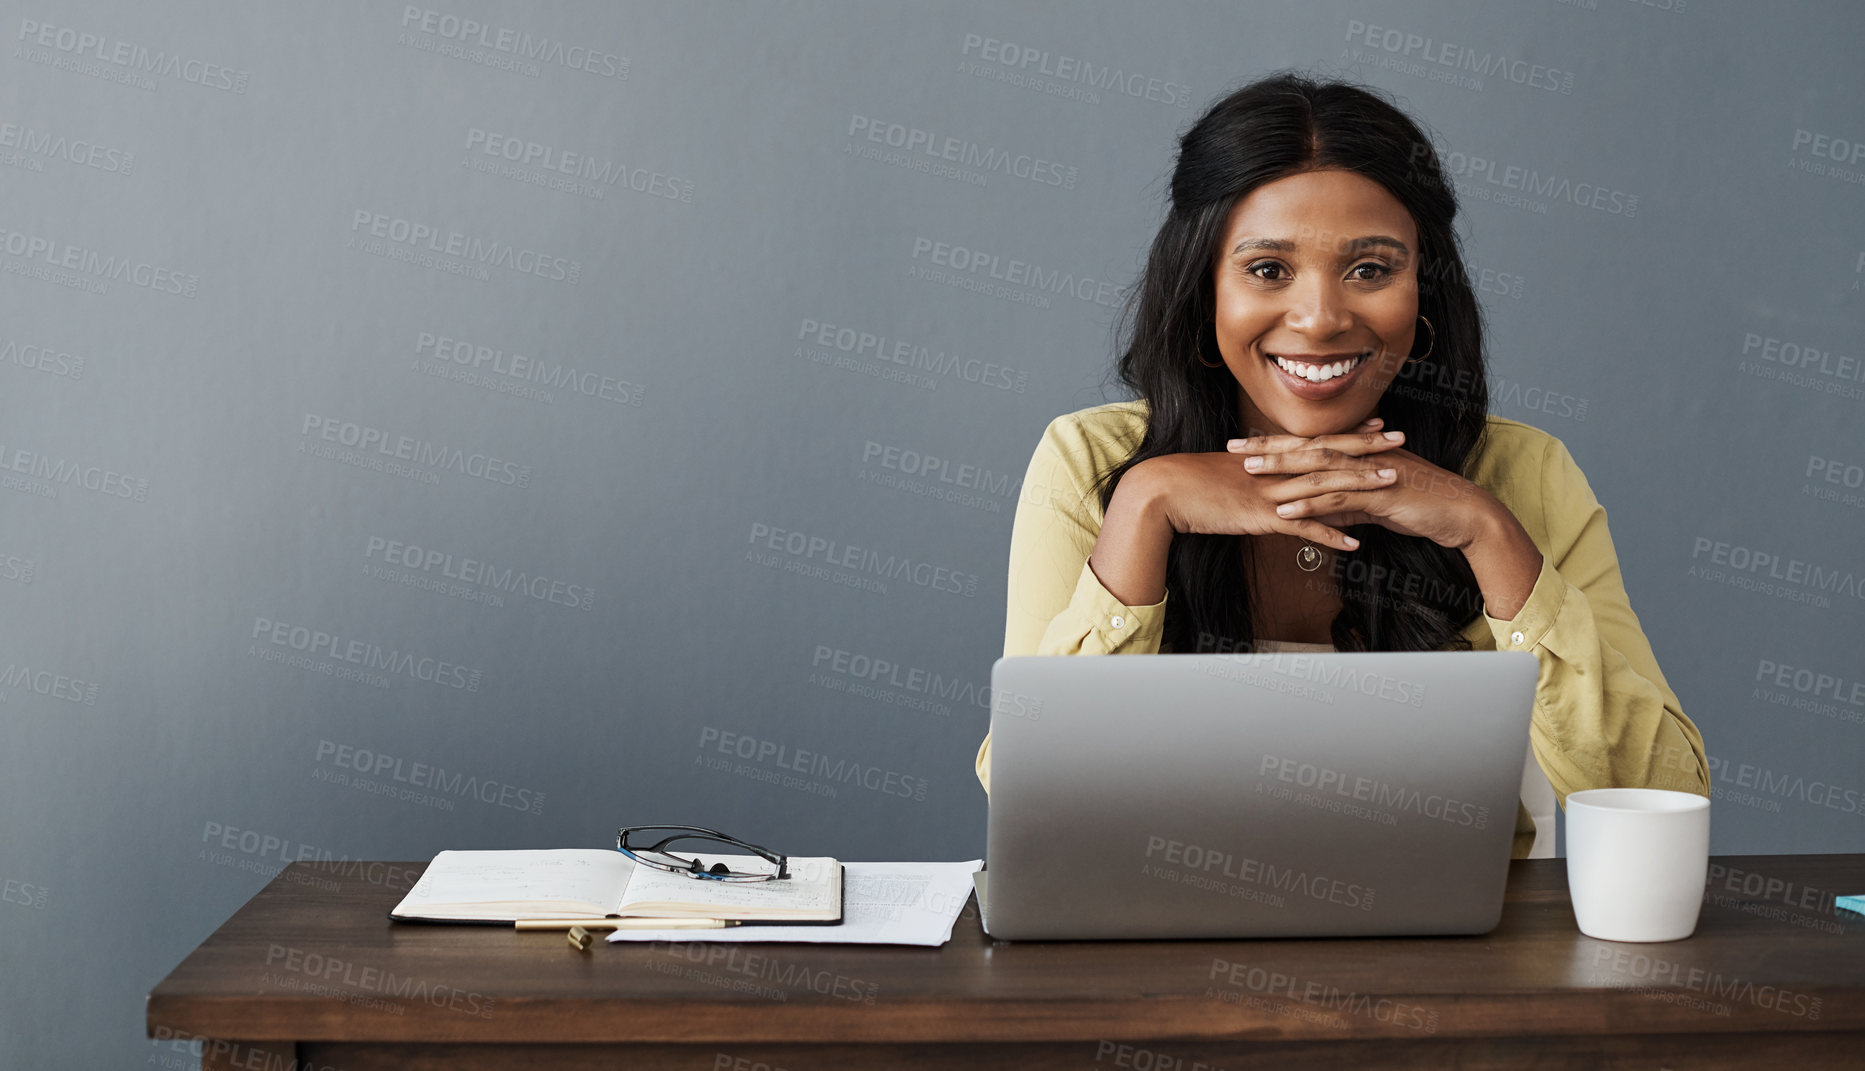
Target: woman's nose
<point x="1317" y="307"/>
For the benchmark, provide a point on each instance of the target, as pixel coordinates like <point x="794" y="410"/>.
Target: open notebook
<point x="574" y="883"/>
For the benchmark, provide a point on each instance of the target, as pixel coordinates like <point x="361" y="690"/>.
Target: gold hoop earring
<point x="1428" y="349"/>
<point x="1198" y="348"/>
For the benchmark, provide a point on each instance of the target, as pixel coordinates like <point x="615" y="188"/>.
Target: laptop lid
<point x="1256" y="795"/>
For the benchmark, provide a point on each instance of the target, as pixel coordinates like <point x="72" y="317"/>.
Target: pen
<point x="626" y="924"/>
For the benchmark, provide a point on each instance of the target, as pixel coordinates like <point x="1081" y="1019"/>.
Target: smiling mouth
<point x="1316" y="372"/>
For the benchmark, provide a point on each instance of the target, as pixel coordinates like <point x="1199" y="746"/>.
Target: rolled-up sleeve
<point x="1604" y="716"/>
<point x="1056" y="604"/>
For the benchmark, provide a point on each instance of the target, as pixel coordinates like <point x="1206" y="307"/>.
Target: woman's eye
<point x="1379" y="271"/>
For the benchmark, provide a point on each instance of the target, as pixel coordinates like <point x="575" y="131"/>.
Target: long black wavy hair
<point x="1398" y="592"/>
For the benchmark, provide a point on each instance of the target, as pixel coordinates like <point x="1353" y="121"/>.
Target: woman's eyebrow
<point x="1286" y="245"/>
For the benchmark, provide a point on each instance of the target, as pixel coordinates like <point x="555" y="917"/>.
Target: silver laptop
<point x="1256" y="795"/>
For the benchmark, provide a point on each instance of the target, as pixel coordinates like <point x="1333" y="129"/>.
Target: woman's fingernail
<point x="1387" y="474"/>
<point x="1372" y="422"/>
<point x="1351" y="542"/>
<point x="1285" y="509"/>
<point x="1395" y="436"/>
<point x="1234" y="445"/>
<point x="1252" y="463"/>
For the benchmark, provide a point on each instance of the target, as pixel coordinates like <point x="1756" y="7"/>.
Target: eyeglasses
<point x="633" y="842"/>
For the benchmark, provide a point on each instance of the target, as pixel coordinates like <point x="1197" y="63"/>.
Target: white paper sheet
<point x="581" y="875"/>
<point x="885" y="904"/>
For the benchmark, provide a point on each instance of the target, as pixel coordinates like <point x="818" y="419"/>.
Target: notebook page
<point x="587" y="875"/>
<point x="810" y="887"/>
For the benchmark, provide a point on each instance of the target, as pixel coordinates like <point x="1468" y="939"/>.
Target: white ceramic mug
<point x="1636" y="860"/>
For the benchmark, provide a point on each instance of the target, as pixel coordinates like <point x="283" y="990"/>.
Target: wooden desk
<point x="311" y="970"/>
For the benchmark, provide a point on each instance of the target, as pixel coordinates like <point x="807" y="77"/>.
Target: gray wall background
<point x="368" y="492"/>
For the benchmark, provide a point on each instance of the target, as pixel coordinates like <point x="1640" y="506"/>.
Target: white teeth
<point x="1317" y="373"/>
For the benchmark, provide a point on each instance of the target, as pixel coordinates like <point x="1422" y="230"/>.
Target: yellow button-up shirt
<point x="1604" y="716"/>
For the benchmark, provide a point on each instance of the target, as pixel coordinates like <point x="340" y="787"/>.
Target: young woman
<point x="1310" y="463"/>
